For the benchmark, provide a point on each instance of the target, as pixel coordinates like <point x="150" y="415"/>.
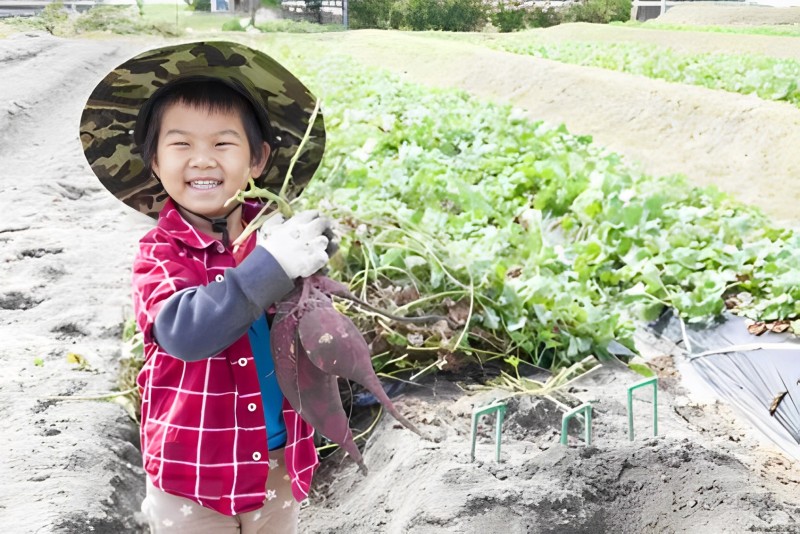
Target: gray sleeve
<point x="200" y="322"/>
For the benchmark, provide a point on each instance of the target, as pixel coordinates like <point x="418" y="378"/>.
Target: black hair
<point x="210" y="94"/>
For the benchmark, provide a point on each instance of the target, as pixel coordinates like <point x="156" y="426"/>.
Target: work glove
<point x="299" y="243"/>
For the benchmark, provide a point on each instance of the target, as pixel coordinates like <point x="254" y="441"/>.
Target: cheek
<point x="171" y="161"/>
<point x="242" y="183"/>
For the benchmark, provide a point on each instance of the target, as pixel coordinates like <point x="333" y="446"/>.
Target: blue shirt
<point x="271" y="396"/>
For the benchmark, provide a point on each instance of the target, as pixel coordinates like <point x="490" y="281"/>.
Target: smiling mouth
<point x="204" y="184"/>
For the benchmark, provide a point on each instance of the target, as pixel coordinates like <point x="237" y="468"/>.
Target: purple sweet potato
<point x="312" y="344"/>
<point x="283" y="342"/>
<point x="312" y="393"/>
<point x="334" y="344"/>
<point x="321" y="407"/>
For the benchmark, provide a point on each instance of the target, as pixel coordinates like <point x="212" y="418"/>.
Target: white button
<point x="256" y="456"/>
<point x="251" y="406"/>
<point x="242" y="361"/>
<point x="219" y="278"/>
<point x="220" y="248"/>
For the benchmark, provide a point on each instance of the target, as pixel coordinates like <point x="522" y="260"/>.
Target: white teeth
<point x="204" y="184"/>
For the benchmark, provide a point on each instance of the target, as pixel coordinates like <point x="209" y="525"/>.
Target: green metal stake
<point x="637" y="385"/>
<point x="586" y="409"/>
<point x="500" y="408"/>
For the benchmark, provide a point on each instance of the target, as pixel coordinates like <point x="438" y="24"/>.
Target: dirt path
<point x="742" y="144"/>
<point x="67" y="247"/>
<point x="66" y="251"/>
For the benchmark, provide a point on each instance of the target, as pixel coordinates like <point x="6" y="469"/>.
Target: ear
<point x="258" y="167"/>
<point x="154" y="166"/>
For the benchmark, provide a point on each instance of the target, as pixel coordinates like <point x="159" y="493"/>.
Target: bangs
<point x="206" y="95"/>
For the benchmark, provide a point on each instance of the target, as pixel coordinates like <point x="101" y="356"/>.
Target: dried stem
<point x="284" y="206"/>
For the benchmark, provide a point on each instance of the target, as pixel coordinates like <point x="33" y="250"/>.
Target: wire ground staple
<point x="586" y="410"/>
<point x="643" y="383"/>
<point x="497" y="407"/>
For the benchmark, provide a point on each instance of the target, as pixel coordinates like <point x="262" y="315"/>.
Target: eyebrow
<point x="221" y="132"/>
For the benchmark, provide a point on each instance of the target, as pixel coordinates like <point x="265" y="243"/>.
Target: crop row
<point x="768" y="77"/>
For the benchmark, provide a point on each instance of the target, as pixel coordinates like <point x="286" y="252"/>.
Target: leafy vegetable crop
<point x="553" y="246"/>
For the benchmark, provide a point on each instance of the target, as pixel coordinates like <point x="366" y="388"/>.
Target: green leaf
<point x="642" y="369"/>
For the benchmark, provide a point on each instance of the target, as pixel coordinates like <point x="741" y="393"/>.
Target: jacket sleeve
<point x="199" y="322"/>
<point x="193" y="321"/>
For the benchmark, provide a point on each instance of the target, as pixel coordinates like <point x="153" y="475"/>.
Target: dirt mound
<point x="668" y="483"/>
<point x="729" y="14"/>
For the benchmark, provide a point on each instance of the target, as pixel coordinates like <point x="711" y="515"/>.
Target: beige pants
<point x="170" y="514"/>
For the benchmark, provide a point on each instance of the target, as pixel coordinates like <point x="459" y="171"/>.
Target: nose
<point x="201" y="160"/>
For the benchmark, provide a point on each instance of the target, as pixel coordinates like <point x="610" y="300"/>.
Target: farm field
<point x="438" y="104"/>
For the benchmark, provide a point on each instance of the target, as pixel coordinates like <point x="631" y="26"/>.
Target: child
<point x="174" y="133"/>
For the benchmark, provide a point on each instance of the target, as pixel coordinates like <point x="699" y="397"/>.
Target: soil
<point x="694" y="474"/>
<point x="73" y="466"/>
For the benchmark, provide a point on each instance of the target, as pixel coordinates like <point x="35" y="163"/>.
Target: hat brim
<point x="109" y="117"/>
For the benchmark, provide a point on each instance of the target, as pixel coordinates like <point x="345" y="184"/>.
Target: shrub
<point x="463" y="15"/>
<point x="233" y="25"/>
<point x="199" y="5"/>
<point x="122" y="20"/>
<point x="446" y="15"/>
<point x="599" y="11"/>
<point x="419" y="15"/>
<point x="543" y="17"/>
<point x="370" y="13"/>
<point x="54" y="19"/>
<point x="398" y="15"/>
<point x="509" y="17"/>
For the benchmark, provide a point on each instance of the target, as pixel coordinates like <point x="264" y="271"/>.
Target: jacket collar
<point x="171" y="220"/>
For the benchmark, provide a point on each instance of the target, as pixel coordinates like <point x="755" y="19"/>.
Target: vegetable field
<point x="546" y="193"/>
<point x="552" y="245"/>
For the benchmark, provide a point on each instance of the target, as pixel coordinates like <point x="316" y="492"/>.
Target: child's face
<point x="203" y="158"/>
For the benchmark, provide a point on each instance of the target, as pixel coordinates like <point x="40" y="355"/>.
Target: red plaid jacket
<point x="200" y="439"/>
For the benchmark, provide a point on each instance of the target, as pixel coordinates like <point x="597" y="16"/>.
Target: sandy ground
<point x="66" y="253"/>
<point x="67" y="246"/>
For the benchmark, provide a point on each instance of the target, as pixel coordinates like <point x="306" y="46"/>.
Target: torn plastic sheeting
<point x="749" y="373"/>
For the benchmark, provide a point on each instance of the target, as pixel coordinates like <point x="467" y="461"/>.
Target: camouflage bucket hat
<point x="109" y="118"/>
